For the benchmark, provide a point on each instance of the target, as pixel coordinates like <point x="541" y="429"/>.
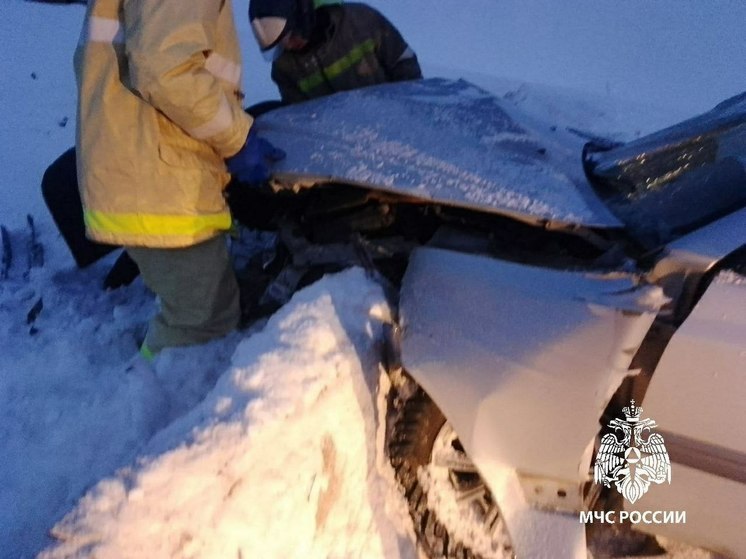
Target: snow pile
<point x="279" y="460"/>
<point x="70" y="415"/>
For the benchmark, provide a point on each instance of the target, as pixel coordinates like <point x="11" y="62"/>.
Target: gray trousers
<point x="197" y="292"/>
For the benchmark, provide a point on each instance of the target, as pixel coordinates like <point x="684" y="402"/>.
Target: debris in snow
<point x="34" y="249"/>
<point x="7" y="258"/>
<point x="34" y="312"/>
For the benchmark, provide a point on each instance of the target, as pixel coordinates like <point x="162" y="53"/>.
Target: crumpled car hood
<point x="439" y="140"/>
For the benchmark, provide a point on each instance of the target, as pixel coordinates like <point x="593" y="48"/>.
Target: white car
<point x="540" y="292"/>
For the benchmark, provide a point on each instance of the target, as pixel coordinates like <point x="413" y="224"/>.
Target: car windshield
<point x="676" y="180"/>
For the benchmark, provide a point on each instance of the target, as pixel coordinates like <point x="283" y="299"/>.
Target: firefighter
<point x="160" y="128"/>
<point x="345" y="46"/>
<point x="329" y="48"/>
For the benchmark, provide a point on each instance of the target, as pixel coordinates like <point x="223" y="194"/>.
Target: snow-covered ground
<point x="262" y="444"/>
<point x="278" y="460"/>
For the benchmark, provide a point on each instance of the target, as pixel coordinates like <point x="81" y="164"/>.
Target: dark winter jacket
<point x="353" y="46"/>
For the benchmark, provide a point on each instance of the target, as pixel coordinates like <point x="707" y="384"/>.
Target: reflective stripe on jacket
<point x="361" y="48"/>
<point x="159" y="109"/>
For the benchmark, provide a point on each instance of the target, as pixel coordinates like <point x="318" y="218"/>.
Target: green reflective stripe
<point x="336" y="68"/>
<point x="146" y="353"/>
<point x="154" y="224"/>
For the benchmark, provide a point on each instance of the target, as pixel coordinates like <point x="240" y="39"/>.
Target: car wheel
<point x="453" y="512"/>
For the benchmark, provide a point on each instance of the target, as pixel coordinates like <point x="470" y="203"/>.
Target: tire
<point x="453" y="513"/>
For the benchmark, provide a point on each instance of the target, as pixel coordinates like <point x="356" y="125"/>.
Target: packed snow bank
<point x="279" y="460"/>
<point x="69" y="413"/>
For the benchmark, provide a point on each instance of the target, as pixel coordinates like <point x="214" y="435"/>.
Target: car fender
<point x="521" y="360"/>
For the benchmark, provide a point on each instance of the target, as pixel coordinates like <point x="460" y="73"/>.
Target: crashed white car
<point x="543" y="298"/>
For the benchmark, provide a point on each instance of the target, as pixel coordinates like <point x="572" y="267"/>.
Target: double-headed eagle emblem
<point x="632" y="456"/>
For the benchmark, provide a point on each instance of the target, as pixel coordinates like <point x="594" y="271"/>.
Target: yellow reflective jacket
<point x="159" y="110"/>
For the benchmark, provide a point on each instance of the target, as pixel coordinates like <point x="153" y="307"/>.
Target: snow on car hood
<point x="445" y="141"/>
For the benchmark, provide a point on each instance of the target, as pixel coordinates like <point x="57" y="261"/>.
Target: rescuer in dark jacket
<point x="330" y="48"/>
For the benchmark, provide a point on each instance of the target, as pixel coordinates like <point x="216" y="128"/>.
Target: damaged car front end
<point x="537" y="292"/>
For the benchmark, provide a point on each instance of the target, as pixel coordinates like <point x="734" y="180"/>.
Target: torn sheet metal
<point x="521" y="360"/>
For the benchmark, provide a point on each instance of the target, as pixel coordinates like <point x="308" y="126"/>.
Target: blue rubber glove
<point x="252" y="162"/>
